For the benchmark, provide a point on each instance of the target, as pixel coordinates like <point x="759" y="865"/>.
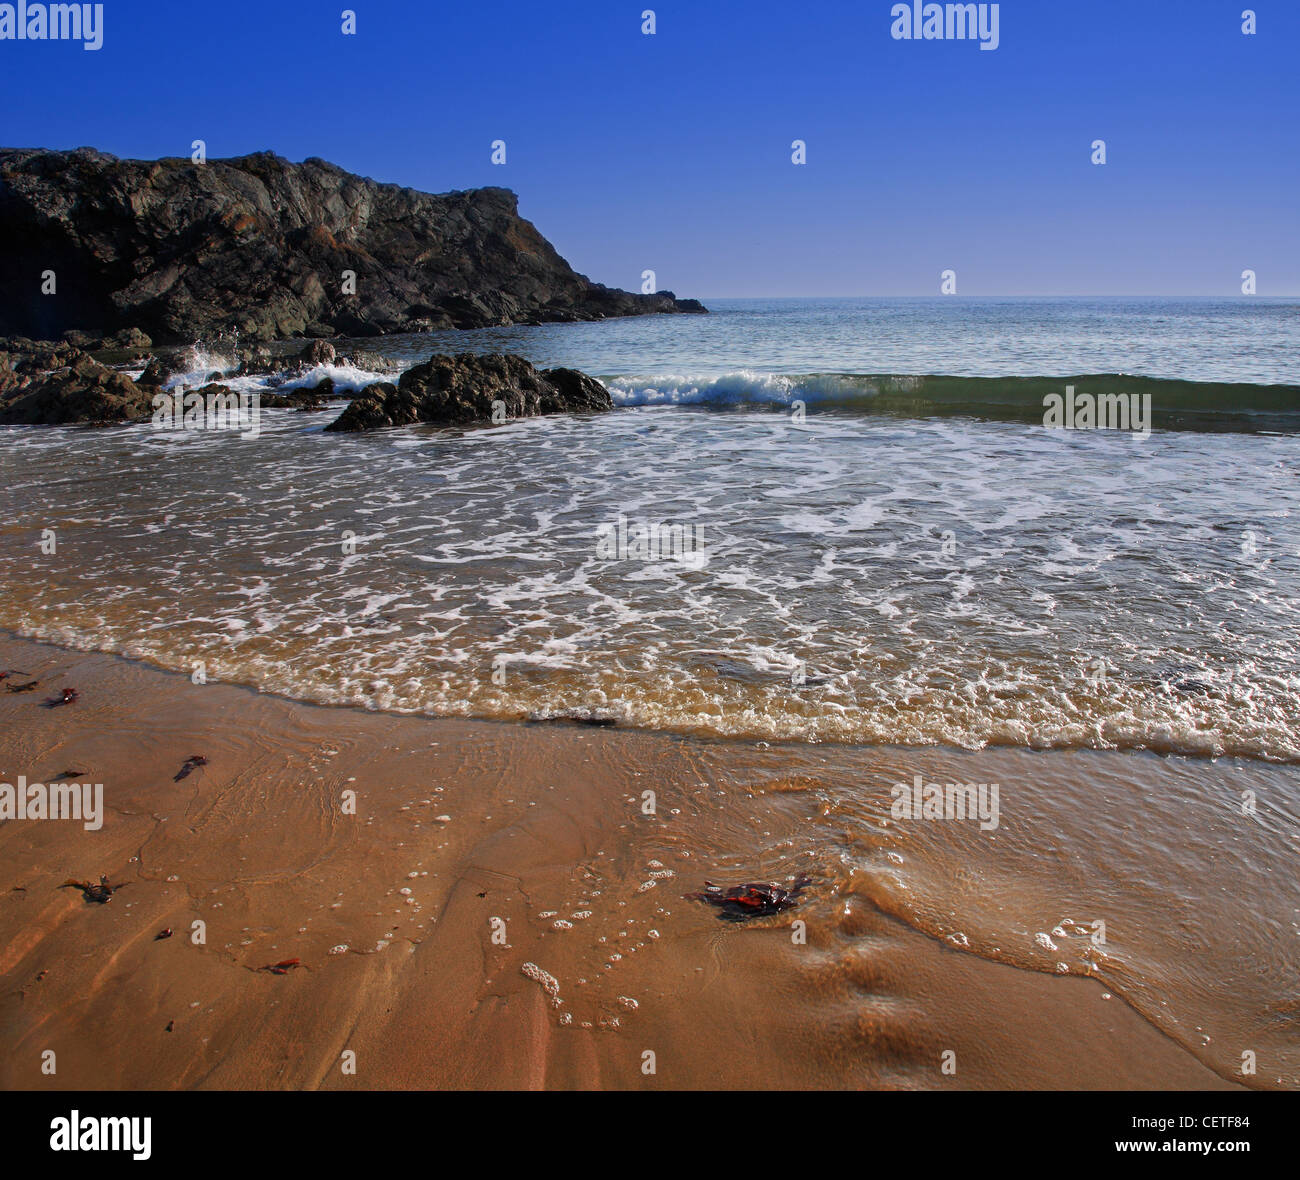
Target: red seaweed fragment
<point x="101" y="893"/>
<point x="751" y="900"/>
<point x="192" y="763"/>
<point x="283" y="967"/>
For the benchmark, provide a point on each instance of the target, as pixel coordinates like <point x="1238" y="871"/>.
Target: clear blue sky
<point x="672" y="151"/>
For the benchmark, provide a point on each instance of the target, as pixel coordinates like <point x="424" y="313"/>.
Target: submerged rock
<point x="467" y="388"/>
<point x="370" y="362"/>
<point x="257" y="361"/>
<point x="312" y="398"/>
<point x="159" y="371"/>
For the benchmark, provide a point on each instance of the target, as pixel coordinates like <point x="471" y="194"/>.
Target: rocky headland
<point x="104" y="251"/>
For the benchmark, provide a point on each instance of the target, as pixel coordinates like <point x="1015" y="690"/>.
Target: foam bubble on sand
<point x="548" y="983"/>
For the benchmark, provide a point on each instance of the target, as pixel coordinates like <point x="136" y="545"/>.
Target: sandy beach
<point x="392" y="914"/>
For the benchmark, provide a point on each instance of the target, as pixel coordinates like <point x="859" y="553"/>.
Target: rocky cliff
<point x="185" y="251"/>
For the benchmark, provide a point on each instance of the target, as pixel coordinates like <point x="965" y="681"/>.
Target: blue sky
<point x="672" y="151"/>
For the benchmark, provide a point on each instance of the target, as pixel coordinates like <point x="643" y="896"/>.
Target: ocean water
<point x="810" y="568"/>
<point x="1242" y="340"/>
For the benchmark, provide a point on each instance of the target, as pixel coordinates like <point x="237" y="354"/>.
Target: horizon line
<point x="1018" y="295"/>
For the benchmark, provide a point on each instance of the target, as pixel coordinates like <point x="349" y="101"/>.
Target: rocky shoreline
<point x="102" y="251"/>
<point x="108" y="258"/>
<point x="59" y="384"/>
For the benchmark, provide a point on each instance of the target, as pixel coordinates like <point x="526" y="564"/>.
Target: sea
<point x="820" y="520"/>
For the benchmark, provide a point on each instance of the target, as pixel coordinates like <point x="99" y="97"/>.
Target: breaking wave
<point x="1175" y="404"/>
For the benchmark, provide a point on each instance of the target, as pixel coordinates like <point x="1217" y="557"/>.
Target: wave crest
<point x="1175" y="404"/>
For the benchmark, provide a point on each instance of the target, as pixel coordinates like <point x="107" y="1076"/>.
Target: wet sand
<point x="531" y="825"/>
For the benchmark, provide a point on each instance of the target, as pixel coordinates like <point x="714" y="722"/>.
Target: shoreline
<point x="544" y="825"/>
<point x="577" y="721"/>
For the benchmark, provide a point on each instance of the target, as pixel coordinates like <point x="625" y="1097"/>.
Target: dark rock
<point x="312" y="398"/>
<point x="451" y="390"/>
<point x="257" y="361"/>
<point x="159" y="371"/>
<point x="573" y="392"/>
<point x="318" y="352"/>
<point x="129" y="338"/>
<point x="182" y="251"/>
<point x="38" y="356"/>
<point x="213" y="395"/>
<point x="573" y="717"/>
<point x="378" y="405"/>
<point x="369" y="362"/>
<point x="82" y="390"/>
<point x="9" y="380"/>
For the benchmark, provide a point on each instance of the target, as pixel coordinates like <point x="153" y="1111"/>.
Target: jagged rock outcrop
<point x="59" y="385"/>
<point x="458" y="390"/>
<point x="182" y="251"/>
